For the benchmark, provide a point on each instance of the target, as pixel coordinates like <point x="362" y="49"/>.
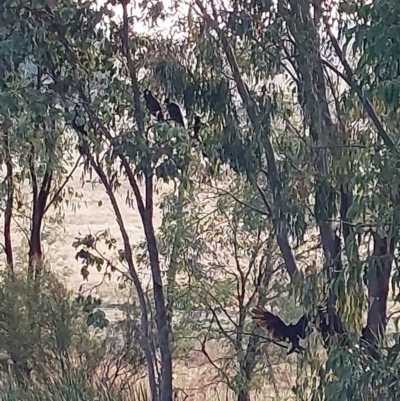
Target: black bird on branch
<point x="196" y="127"/>
<point x="175" y="113"/>
<point x="79" y="127"/>
<point x="331" y="325"/>
<point x="274" y="325"/>
<point x="153" y="105"/>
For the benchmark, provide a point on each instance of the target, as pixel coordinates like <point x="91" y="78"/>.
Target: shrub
<point x="56" y="346"/>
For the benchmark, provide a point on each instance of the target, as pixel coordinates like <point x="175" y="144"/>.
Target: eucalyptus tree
<point x="323" y="155"/>
<point x="34" y="149"/>
<point x="82" y="54"/>
<point x="264" y="78"/>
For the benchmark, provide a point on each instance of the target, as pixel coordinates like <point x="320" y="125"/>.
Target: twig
<point x="396" y="312"/>
<point x="57" y="193"/>
<point x="264" y="198"/>
<point x="239" y="201"/>
<point x="350" y="79"/>
<point x="205" y="353"/>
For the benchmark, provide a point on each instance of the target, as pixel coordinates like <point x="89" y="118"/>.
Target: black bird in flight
<point x="153" y="105"/>
<point x="174" y="112"/>
<point x="279" y="330"/>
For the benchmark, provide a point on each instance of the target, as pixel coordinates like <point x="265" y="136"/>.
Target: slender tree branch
<point x="351" y="80"/>
<point x="329" y="65"/>
<point x="57" y="193"/>
<point x="131" y="68"/>
<point x="132" y="271"/>
<point x="265" y="200"/>
<point x="33" y="175"/>
<point x="236" y="199"/>
<point x="253" y="114"/>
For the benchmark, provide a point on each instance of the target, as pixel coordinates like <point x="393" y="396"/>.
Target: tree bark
<point x="39" y="201"/>
<point x="378" y="278"/>
<point x="243" y="395"/>
<point x="9" y="206"/>
<point x="162" y="321"/>
<point x="145" y="332"/>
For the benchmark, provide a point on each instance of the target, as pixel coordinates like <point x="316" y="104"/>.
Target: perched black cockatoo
<point x="329" y="325"/>
<point x="279" y="330"/>
<point x="174" y="112"/>
<point x="79" y="126"/>
<point x="196" y="127"/>
<point x="153" y="105"/>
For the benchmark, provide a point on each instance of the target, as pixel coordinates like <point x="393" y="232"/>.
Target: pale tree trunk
<point x="146" y="214"/>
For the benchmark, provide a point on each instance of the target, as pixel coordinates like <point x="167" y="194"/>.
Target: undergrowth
<point x="54" y="346"/>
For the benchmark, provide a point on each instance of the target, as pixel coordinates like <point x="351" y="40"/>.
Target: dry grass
<point x="197" y="380"/>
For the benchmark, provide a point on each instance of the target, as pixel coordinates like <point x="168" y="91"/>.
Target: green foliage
<point x="95" y="316"/>
<point x="376" y="48"/>
<point x="60" y="346"/>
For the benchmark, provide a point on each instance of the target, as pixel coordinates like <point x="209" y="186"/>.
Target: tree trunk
<point x="159" y="298"/>
<point x="378" y="278"/>
<point x="145" y="330"/>
<point x="163" y="328"/>
<point x="243" y="395"/>
<point x="173" y="264"/>
<point x="35" y="246"/>
<point x="247" y="366"/>
<point x="39" y="206"/>
<point x="9" y="206"/>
